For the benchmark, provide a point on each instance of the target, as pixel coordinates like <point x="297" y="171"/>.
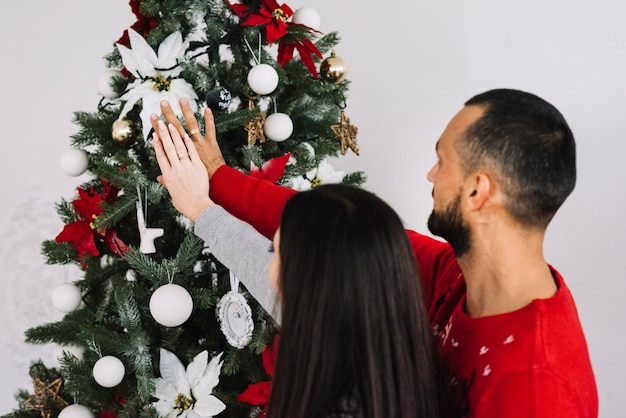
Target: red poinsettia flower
<point x="275" y="19"/>
<point x="305" y="48"/>
<point x="271" y="15"/>
<point x="143" y="26"/>
<point x="271" y="170"/>
<point x="259" y="393"/>
<point x="82" y="233"/>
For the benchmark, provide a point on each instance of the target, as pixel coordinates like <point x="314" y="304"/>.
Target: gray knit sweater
<point x="244" y="251"/>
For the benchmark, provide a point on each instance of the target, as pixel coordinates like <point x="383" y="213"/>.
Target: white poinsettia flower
<point x="157" y="76"/>
<point x="187" y="394"/>
<point x="323" y="174"/>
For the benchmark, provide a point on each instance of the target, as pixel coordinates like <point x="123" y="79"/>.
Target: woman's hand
<point x="207" y="146"/>
<point x="183" y="172"/>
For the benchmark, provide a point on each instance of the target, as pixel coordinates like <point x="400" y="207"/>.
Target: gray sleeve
<point x="242" y="250"/>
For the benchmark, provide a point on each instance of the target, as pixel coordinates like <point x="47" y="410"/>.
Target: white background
<point x="412" y="65"/>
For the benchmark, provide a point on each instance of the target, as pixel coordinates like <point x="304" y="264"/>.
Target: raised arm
<point x="257" y="202"/>
<point x="236" y="244"/>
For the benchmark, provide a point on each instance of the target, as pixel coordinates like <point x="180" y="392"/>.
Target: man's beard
<point x="449" y="225"/>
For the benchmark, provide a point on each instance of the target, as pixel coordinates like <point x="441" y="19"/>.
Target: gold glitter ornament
<point x="333" y="69"/>
<point x="121" y="130"/>
<point x="255" y="127"/>
<point x="346" y="134"/>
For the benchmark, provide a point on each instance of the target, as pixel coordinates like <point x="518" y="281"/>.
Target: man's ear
<point x="479" y="188"/>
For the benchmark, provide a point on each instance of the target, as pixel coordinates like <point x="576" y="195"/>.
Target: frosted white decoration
<point x="148" y="235"/>
<point x="74" y="162"/>
<point x="104" y="84"/>
<point x="109" y="371"/>
<point x="235" y="316"/>
<point x="263" y="79"/>
<point x="76" y="411"/>
<point x="307" y="16"/>
<point x="171" y="305"/>
<point x="278" y="127"/>
<point x="66" y="297"/>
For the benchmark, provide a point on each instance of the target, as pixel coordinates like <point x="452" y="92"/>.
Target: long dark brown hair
<point x="354" y="336"/>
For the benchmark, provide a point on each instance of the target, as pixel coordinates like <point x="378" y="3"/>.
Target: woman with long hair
<point x="354" y="338"/>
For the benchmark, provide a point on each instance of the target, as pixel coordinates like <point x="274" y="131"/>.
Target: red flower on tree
<point x="259" y="393"/>
<point x="142" y="26"/>
<point x="271" y="170"/>
<point x="270" y="15"/>
<point x="83" y="233"/>
<point x="275" y="19"/>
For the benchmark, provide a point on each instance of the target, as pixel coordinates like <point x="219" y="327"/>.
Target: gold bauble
<point x="333" y="69"/>
<point x="121" y="130"/>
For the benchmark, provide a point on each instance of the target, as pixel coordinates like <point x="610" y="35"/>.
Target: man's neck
<point x="505" y="273"/>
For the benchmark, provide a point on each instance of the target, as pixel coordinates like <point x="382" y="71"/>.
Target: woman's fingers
<point x="179" y="144"/>
<point x="191" y="149"/>
<point x="166" y="141"/>
<point x="171" y="118"/>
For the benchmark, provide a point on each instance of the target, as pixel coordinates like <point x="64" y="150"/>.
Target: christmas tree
<point x="154" y="321"/>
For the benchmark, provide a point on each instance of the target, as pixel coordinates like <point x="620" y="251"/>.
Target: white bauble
<point x="307" y="16"/>
<point x="278" y="127"/>
<point x="171" y="305"/>
<point x="74" y="162"/>
<point x="104" y="84"/>
<point x="76" y="411"/>
<point x="263" y="79"/>
<point x="109" y="371"/>
<point x="66" y="297"/>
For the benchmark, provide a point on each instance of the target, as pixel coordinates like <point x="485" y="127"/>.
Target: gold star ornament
<point x="46" y="395"/>
<point x="255" y="127"/>
<point x="346" y="134"/>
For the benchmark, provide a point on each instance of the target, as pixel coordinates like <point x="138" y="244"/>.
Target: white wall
<point x="412" y="65"/>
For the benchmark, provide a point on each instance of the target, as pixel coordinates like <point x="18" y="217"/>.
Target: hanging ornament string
<point x="147" y="235"/>
<point x="256" y="59"/>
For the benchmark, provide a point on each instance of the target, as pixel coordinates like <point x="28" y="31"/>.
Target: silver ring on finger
<point x="194" y="131"/>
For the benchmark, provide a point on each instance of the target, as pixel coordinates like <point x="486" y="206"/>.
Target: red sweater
<point x="532" y="362"/>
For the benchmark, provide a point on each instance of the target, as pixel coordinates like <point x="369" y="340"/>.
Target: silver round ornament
<point x="333" y="69"/>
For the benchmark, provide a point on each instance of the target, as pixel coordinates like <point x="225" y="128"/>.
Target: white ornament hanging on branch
<point x="104" y="84"/>
<point x="278" y="127"/>
<point x="263" y="79"/>
<point x="171" y="305"/>
<point x="235" y="316"/>
<point x="108" y="371"/>
<point x="307" y="16"/>
<point x="76" y="411"/>
<point x="66" y="297"/>
<point x="74" y="162"/>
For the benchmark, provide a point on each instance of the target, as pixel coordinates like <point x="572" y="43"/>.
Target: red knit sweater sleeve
<point x="257" y="202"/>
